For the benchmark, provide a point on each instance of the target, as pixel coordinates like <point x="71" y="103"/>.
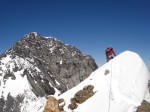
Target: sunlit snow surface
<point x="122" y="90"/>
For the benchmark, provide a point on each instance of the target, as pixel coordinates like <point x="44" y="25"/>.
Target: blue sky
<point x="89" y="25"/>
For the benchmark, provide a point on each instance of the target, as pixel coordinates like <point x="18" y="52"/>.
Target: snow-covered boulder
<point x="122" y="89"/>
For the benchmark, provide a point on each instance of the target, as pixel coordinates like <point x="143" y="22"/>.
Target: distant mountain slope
<point x="35" y="67"/>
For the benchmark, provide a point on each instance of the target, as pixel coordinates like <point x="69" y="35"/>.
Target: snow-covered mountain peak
<point x="36" y="67"/>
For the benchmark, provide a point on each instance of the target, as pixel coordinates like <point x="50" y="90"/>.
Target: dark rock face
<point x="47" y="63"/>
<point x="57" y="62"/>
<point x="11" y="104"/>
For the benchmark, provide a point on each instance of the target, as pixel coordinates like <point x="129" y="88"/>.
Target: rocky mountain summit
<point x="37" y="66"/>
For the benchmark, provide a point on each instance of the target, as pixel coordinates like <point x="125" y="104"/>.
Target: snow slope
<point x="122" y="90"/>
<point x="19" y="87"/>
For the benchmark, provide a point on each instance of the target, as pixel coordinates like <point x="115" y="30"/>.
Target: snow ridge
<point x="125" y="84"/>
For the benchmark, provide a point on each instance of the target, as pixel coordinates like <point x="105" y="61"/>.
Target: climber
<point x="109" y="53"/>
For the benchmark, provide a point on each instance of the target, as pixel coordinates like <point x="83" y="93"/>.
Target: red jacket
<point x="109" y="52"/>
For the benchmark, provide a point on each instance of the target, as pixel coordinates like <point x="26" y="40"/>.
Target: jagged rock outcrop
<point x="145" y="107"/>
<point x="54" y="105"/>
<point x="51" y="105"/>
<point x="45" y="66"/>
<point x="81" y="96"/>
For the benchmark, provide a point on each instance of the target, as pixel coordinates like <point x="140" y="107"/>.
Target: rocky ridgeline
<point x="62" y="65"/>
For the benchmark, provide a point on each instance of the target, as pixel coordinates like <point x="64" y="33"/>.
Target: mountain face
<point x="37" y="66"/>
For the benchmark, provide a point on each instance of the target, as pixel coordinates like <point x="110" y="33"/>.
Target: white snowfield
<point x="121" y="90"/>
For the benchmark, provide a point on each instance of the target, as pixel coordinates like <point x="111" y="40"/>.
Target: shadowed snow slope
<point x="121" y="90"/>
